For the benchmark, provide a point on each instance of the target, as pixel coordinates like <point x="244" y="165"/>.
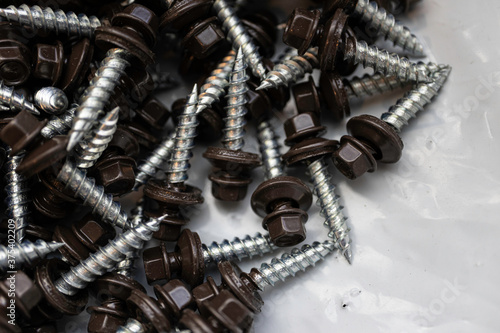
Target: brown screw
<point x="107" y="317"/>
<point x="204" y="38"/>
<point x="15" y="57"/>
<point x="22" y="131"/>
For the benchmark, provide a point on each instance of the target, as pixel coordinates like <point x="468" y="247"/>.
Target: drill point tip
<point x="264" y="85"/>
<point x="348" y="255"/>
<point x="74" y="138"/>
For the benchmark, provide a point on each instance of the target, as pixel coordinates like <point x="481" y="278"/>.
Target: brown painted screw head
<point x="108" y="317"/>
<point x="183" y="13"/>
<point x="140" y="19"/>
<point x="21" y="131"/>
<point x="15" y="62"/>
<point x="148" y="312"/>
<point x="27" y="294"/>
<point x="335" y="95"/>
<point x="205" y="291"/>
<point x="196" y="323"/>
<point x="114" y="285"/>
<point x="229" y="312"/>
<point x="204" y="37"/>
<point x="77" y="64"/>
<point x="72" y="250"/>
<point x="174" y="297"/>
<point x="309" y="150"/>
<point x="301" y="29"/>
<point x="49" y="62"/>
<point x="353" y="158"/>
<point x="124" y="143"/>
<point x="331" y="39"/>
<point x="92" y="232"/>
<point x="153" y="113"/>
<point x="302" y="126"/>
<point x="286" y="225"/>
<point x="330" y="6"/>
<point x="48" y="154"/>
<point x="306" y="97"/>
<point x="259" y="104"/>
<point x="116" y="174"/>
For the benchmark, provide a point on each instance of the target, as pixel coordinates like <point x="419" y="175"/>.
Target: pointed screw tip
<point x="264" y="85"/>
<point x="348" y="256"/>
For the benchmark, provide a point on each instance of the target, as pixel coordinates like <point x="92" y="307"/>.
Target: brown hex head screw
<point x="15" y="62"/>
<point x="27" y="294"/>
<point x="371" y="140"/>
<point x="21" y="131"/>
<point x="174" y="297"/>
<point x="114" y="285"/>
<point x="204" y="37"/>
<point x="107" y="317"/>
<point x="153" y="113"/>
<point x="77" y="64"/>
<point x="196" y="323"/>
<point x="49" y="62"/>
<point x="183" y="13"/>
<point x="116" y="174"/>
<point x="186" y="261"/>
<point x="139" y="19"/>
<point x="148" y="312"/>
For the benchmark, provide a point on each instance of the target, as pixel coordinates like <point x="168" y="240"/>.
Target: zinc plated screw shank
<point x="17" y="196"/>
<point x="88" y="151"/>
<point x="292" y="68"/>
<point x="153" y="162"/>
<point x="47" y="19"/>
<point x="215" y="85"/>
<point x="269" y="150"/>
<point x="330" y="208"/>
<point x="15" y="101"/>
<point x="184" y="141"/>
<point x="386" y="25"/>
<point x="415" y="100"/>
<point x="92" y="195"/>
<point x="59" y="125"/>
<point x="106" y="258"/>
<point x="25" y="253"/>
<point x="237" y="35"/>
<point x="96" y="96"/>
<point x="51" y="100"/>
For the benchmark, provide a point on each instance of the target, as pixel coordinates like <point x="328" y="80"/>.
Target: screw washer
<point x="25" y="253"/>
<point x="59" y="125"/>
<point x="16" y="101"/>
<point x="47" y="19"/>
<point x="292" y="68"/>
<point x="51" y="100"/>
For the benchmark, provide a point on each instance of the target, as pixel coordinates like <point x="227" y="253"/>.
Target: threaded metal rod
<point x="15" y="101"/>
<point x="330" y="208"/>
<point x="371" y="85"/>
<point x="106" y="258"/>
<point x="47" y="19"/>
<point x="234" y="129"/>
<point x="415" y="100"/>
<point x="59" y="125"/>
<point x="238" y="249"/>
<point x="270" y="150"/>
<point x="25" y="253"/>
<point x="291" y="69"/>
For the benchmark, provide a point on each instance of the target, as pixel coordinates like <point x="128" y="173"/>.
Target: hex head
<point x="302" y="126"/>
<point x="229" y="312"/>
<point x="353" y="158"/>
<point x="49" y="62"/>
<point x="140" y="19"/>
<point x="27" y="294"/>
<point x="92" y="232"/>
<point x="203" y="37"/>
<point x="155" y="264"/>
<point x="286" y="228"/>
<point x="174" y="297"/>
<point x="15" y="63"/>
<point x="21" y="131"/>
<point x="306" y="97"/>
<point x="301" y="29"/>
<point x="116" y="174"/>
<point x="107" y="317"/>
<point x="228" y="188"/>
<point x="153" y="113"/>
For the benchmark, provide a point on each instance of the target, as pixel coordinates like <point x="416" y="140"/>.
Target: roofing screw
<point x="17" y="196"/>
<point x="59" y="125"/>
<point x="88" y="151"/>
<point x="96" y="96"/>
<point x="93" y="196"/>
<point x="51" y="100"/>
<point x="106" y="258"/>
<point x="238" y="36"/>
<point x="48" y="20"/>
<point x="270" y="150"/>
<point x="292" y="68"/>
<point x="25" y="253"/>
<point x="15" y="101"/>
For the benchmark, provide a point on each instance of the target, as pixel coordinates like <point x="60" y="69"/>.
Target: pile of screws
<point x="80" y="128"/>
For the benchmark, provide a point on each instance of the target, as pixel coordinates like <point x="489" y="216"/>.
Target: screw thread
<point x="292" y="68"/>
<point x="330" y="207"/>
<point x="385" y="25"/>
<point x="386" y="63"/>
<point x="92" y="195"/>
<point x="153" y="162"/>
<point x="59" y="125"/>
<point x="131" y="326"/>
<point x="106" y="258"/>
<point x="238" y="36"/>
<point x="51" y="100"/>
<point x="236" y="97"/>
<point x="47" y="19"/>
<point x="370" y="85"/>
<point x="96" y="96"/>
<point x="126" y="266"/>
<point x="17" y="196"/>
<point x="238" y="249"/>
<point x="280" y="269"/>
<point x="88" y="151"/>
<point x="270" y="150"/>
<point x="415" y="100"/>
<point x="16" y="101"/>
<point x="184" y="141"/>
<point x="25" y="253"/>
<point x="215" y="85"/>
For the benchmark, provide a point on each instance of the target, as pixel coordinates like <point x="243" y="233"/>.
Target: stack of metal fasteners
<point x="82" y="130"/>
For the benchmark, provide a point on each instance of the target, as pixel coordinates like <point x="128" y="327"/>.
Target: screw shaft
<point x="371" y="85"/>
<point x="385" y="24"/>
<point x="330" y="208"/>
<point x="16" y="101"/>
<point x="280" y="269"/>
<point x="235" y="122"/>
<point x="25" y="253"/>
<point x="106" y="258"/>
<point x="238" y="36"/>
<point x="92" y="195"/>
<point x="270" y="150"/>
<point x="96" y="96"/>
<point x="59" y="125"/>
<point x="89" y="150"/>
<point x="415" y="100"/>
<point x="51" y="100"/>
<point x="47" y="19"/>
<point x="238" y="249"/>
<point x="291" y="69"/>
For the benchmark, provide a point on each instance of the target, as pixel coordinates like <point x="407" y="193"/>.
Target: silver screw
<point x="386" y="25"/>
<point x="153" y="162"/>
<point x="47" y="19"/>
<point x="184" y="141"/>
<point x="270" y="150"/>
<point x="92" y="195"/>
<point x="106" y="258"/>
<point x="96" y="96"/>
<point x="51" y="100"/>
<point x="234" y="129"/>
<point x="291" y="69"/>
<point x="88" y="151"/>
<point x="215" y="85"/>
<point x="238" y="249"/>
<point x="25" y="253"/>
<point x="415" y="100"/>
<point x="237" y="35"/>
<point x="17" y="196"/>
<point x="59" y="125"/>
<point x="280" y="269"/>
<point x="15" y="101"/>
<point x="330" y="208"/>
